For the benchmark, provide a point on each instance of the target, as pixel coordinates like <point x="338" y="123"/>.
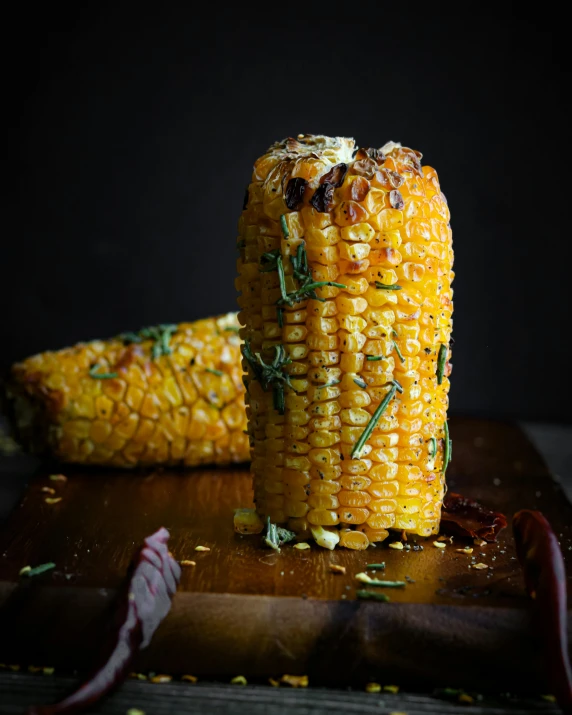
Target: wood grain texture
<point x="184" y="699"/>
<point x="246" y="609"/>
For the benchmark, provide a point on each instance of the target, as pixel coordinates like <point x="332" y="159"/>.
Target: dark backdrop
<point x="132" y="140"/>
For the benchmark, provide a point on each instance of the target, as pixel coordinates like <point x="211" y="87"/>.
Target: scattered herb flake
<point x="383" y="286"/>
<point x="398" y="351"/>
<point x="372" y="596"/>
<point x="380" y="566"/>
<point x="270" y="375"/>
<point x="232" y="328"/>
<point x="101" y="375"/>
<point x="360" y="383"/>
<point x="374" y="357"/>
<point x="433" y="448"/>
<point x="372" y="423"/>
<point x="441" y="359"/>
<point x="284" y="226"/>
<point x="393" y="689"/>
<point x="276" y="536"/>
<point x="214" y="372"/>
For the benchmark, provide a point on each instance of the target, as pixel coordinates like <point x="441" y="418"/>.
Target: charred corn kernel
<point x="169" y="397"/>
<point x="358" y="372"/>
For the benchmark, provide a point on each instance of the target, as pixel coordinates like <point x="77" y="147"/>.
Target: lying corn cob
<point x="346" y="302"/>
<point x="166" y="395"/>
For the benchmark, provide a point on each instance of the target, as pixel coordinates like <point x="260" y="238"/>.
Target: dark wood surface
<point x="244" y="609"/>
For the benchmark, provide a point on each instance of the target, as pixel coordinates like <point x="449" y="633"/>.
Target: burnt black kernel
<point x="294" y="195"/>
<point x="323" y="197"/>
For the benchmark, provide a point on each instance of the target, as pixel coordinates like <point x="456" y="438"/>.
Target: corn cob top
<point x="166" y="395"/>
<point x="345" y="274"/>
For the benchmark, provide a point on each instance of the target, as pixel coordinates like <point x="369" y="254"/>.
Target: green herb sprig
<point x="386" y="584"/>
<point x="447" y="448"/>
<point x="37" y="570"/>
<point x="275" y="536"/>
<point x="213" y="371"/>
<point x="101" y="375"/>
<point x="380" y="566"/>
<point x="398" y="351"/>
<point x="374" y="357"/>
<point x="160" y="334"/>
<point x="365" y="595"/>
<point x="365" y="435"/>
<point x="270" y="375"/>
<point x="441" y="360"/>
<point x="433" y="449"/>
<point x="382" y="286"/>
<point x="308" y="285"/>
<point x="360" y="383"/>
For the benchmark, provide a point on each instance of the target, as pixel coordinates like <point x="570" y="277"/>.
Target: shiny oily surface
<point x="174" y="401"/>
<point x="382" y="236"/>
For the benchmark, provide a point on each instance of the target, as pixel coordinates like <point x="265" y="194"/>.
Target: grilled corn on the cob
<point x="167" y="395"/>
<point x="345" y="274"/>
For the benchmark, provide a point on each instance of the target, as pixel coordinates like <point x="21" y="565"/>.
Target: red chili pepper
<point x="145" y="604"/>
<point x="542" y="563"/>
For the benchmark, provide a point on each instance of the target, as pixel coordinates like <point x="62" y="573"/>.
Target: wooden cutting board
<point x="244" y="609"/>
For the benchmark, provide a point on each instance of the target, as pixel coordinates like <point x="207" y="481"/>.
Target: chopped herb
<point x="382" y="286"/>
<point x="374" y="357"/>
<point x="441" y="363"/>
<point x="433" y="450"/>
<point x="269" y="260"/>
<point x="308" y="286"/>
<point x="329" y="384"/>
<point x="270" y="375"/>
<point x="360" y="383"/>
<point x="372" y="423"/>
<point x="101" y="375"/>
<point x="213" y="371"/>
<point x="27" y="571"/>
<point x="399" y="387"/>
<point x="398" y="351"/>
<point x="371" y="596"/>
<point x="376" y="566"/>
<point x="160" y="334"/>
<point x="394" y="332"/>
<point x="232" y="329"/>
<point x="446" y="448"/>
<point x="280" y="316"/>
<point x="275" y="536"/>
<point x="284" y="226"/>
<point x="386" y="584"/>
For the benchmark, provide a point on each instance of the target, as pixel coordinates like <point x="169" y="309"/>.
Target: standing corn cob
<point x="346" y="301"/>
<point x="166" y="395"/>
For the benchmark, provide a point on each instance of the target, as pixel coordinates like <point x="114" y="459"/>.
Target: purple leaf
<point x="145" y="604"/>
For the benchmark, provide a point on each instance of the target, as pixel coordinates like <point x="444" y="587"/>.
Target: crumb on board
<point x="439" y="545"/>
<point x="479" y="566"/>
<point x="161" y="679"/>
<point x="135" y="711"/>
<point x="202" y="548"/>
<point x="48" y="671"/>
<point x="187" y="562"/>
<point x="52" y="500"/>
<point x="373" y="688"/>
<point x="396" y="545"/>
<point x="466" y="550"/>
<point x="295" y="681"/>
<point x="336" y="568"/>
<point x="274" y="683"/>
<point x="58" y="478"/>
<point x="189" y="678"/>
<point x="479" y="542"/>
<point x="302" y="545"/>
<point x="48" y="490"/>
<point x="247" y="521"/>
<point x="393" y="689"/>
<point x="239" y="680"/>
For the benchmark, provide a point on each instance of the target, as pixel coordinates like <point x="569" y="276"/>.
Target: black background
<point x="132" y="140"/>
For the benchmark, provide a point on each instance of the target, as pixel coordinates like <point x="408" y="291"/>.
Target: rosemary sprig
<point x="270" y="375"/>
<point x="391" y="286"/>
<point x="374" y="357"/>
<point x="161" y="334"/>
<point x="373" y="421"/>
<point x="308" y="285"/>
<point x="441" y="359"/>
<point x="386" y="584"/>
<point x="329" y="384"/>
<point x="280" y="316"/>
<point x="275" y="536"/>
<point x="433" y="450"/>
<point x="269" y="260"/>
<point x="27" y="571"/>
<point x="398" y="351"/>
<point x="372" y="596"/>
<point x="101" y="375"/>
<point x="213" y="371"/>
<point x="446" y="448"/>
<point x="284" y="226"/>
<point x="360" y="383"/>
<point x="376" y="566"/>
<point x="398" y="386"/>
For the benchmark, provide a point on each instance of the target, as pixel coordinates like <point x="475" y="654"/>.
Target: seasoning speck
<point x="239" y="680"/>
